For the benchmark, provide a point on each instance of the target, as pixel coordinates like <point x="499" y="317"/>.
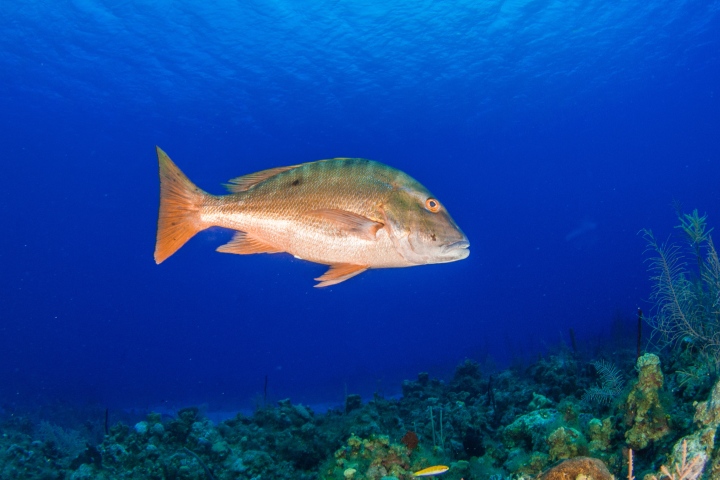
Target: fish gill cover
<point x="530" y="120"/>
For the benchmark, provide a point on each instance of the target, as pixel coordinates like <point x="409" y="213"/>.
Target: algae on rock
<point x="566" y="442"/>
<point x="644" y="411"/>
<point x="700" y="446"/>
<point x="600" y="433"/>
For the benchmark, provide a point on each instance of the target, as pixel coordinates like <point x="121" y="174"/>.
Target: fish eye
<point x="432" y="205"/>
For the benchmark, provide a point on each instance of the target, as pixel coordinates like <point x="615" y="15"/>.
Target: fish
<point x="351" y="214"/>
<point x="585" y="227"/>
<point x="432" y="471"/>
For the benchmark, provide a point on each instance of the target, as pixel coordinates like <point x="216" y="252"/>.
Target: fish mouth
<point x="460" y="244"/>
<point x="456" y="251"/>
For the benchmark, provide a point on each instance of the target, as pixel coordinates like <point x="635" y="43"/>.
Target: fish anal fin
<point x="241" y="184"/>
<point x="339" y="272"/>
<point x="350" y="222"/>
<point x="246" y="244"/>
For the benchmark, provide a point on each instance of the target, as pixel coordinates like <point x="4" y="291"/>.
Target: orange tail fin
<point x="180" y="205"/>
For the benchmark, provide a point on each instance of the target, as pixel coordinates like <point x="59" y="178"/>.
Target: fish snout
<point x="458" y="250"/>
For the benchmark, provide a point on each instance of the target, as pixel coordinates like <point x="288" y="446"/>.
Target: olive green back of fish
<point x="351" y="184"/>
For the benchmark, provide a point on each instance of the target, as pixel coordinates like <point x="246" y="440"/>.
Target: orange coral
<point x="590" y="467"/>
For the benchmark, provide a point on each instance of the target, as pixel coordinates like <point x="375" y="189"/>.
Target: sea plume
<point x="610" y="386"/>
<point x="687" y="300"/>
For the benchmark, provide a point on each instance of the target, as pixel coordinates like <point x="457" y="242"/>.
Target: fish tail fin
<point x="180" y="207"/>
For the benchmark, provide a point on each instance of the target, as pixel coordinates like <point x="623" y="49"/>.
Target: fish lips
<point x="457" y="250"/>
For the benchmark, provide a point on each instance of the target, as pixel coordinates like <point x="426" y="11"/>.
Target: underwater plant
<point x="610" y="386"/>
<point x="686" y="300"/>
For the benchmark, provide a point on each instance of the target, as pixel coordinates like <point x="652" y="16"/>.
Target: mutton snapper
<point x="349" y="213"/>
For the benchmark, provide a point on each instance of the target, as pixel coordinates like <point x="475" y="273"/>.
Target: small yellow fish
<point x="432" y="471"/>
<point x="349" y="213"/>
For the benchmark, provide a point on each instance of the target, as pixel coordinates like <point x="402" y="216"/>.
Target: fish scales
<point x="351" y="214"/>
<point x="276" y="210"/>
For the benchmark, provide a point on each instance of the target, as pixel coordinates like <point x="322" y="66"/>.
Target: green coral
<point x="600" y="433"/>
<point x="643" y="408"/>
<point x="530" y="430"/>
<point x="566" y="443"/>
<point x="539" y="401"/>
<point x="371" y="459"/>
<point x="522" y="462"/>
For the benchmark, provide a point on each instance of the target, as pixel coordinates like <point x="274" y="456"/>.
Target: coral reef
<point x="480" y="426"/>
<point x="644" y="411"/>
<point x="579" y="468"/>
<point x="601" y="433"/>
<point x="372" y="458"/>
<point x="700" y="446"/>
<point x="566" y="442"/>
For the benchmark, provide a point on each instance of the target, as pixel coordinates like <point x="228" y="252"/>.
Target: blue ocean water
<point x="552" y="130"/>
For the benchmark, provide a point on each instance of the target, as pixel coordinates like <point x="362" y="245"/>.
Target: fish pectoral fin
<point x="339" y="272"/>
<point x="245" y="244"/>
<point x="241" y="184"/>
<point x="350" y="222"/>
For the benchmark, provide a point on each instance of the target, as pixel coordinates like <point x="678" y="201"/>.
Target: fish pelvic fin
<point x="339" y="272"/>
<point x="180" y="205"/>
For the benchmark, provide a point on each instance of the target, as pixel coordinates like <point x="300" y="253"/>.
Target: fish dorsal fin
<point x="245" y="244"/>
<point x="339" y="272"/>
<point x="241" y="184"/>
<point x="349" y="222"/>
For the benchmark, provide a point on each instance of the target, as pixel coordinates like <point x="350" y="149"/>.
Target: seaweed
<point x="686" y="300"/>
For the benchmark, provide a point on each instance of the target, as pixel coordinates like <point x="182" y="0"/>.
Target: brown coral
<point x="643" y="409"/>
<point x="590" y="468"/>
<point x="410" y="440"/>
